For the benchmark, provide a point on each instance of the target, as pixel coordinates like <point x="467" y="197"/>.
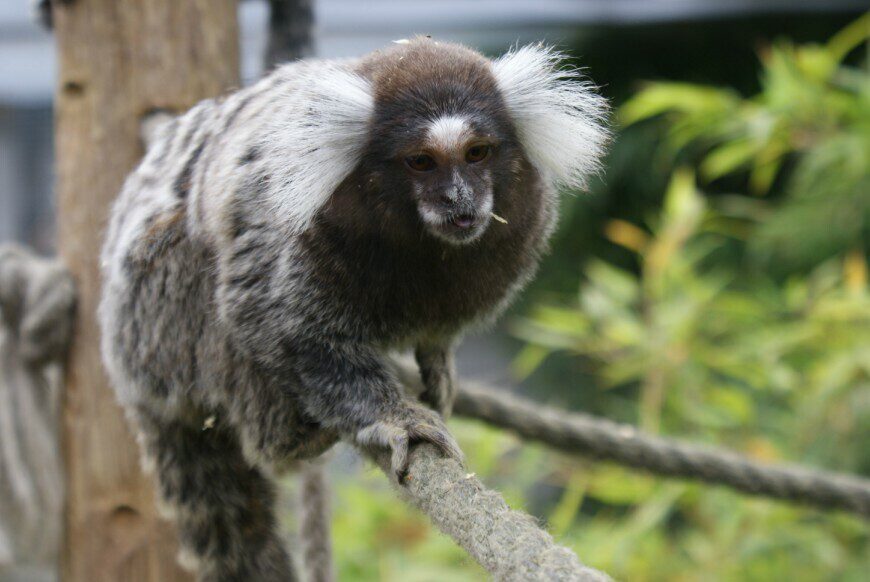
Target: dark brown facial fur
<point x="398" y="283"/>
<point x="370" y="242"/>
<point x="418" y="85"/>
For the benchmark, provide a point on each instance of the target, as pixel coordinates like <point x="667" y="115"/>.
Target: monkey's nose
<point x="448" y="197"/>
<point x="456" y="196"/>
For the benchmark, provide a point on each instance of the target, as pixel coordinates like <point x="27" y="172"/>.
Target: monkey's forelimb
<point x="343" y="384"/>
<point x="438" y="372"/>
<point x="360" y="398"/>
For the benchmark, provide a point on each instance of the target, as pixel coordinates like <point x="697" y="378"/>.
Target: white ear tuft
<point x="559" y="118"/>
<point x="316" y="138"/>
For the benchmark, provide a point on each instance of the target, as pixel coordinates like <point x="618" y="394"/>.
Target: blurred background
<point x="712" y="285"/>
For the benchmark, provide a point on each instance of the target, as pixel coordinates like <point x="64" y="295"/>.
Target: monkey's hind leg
<point x="223" y="507"/>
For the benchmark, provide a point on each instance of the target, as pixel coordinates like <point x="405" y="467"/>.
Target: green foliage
<point x="807" y="133"/>
<point x="691" y="338"/>
<point x="781" y="372"/>
<point x="715" y="353"/>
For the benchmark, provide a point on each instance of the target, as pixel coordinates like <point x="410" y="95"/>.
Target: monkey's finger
<point x="381" y="434"/>
<point x="399" y="461"/>
<point x="439" y="437"/>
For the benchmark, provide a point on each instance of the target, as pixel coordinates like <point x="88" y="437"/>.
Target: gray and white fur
<point x="274" y="247"/>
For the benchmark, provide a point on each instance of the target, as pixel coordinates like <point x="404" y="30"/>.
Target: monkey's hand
<point x="408" y="423"/>
<point x="439" y="377"/>
<point x="347" y="387"/>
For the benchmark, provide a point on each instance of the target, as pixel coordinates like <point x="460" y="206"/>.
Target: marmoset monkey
<point x="274" y="246"/>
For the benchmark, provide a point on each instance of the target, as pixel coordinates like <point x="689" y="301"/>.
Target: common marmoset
<point x="274" y="246"/>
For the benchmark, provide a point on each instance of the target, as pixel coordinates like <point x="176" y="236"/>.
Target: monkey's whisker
<point x="498" y="218"/>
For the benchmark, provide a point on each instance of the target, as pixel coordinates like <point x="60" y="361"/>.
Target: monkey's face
<point x="450" y="166"/>
<point x="454" y="137"/>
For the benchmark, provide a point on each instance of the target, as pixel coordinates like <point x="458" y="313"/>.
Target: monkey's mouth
<point x="456" y="224"/>
<point x="463" y="221"/>
<point x="455" y="227"/>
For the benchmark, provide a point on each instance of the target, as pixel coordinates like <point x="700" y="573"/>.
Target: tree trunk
<point x="118" y="60"/>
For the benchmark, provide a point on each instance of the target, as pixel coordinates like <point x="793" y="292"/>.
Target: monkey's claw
<point x="409" y="424"/>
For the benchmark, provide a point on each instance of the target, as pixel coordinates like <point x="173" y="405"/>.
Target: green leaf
<point x="618" y="486"/>
<point x="658" y="98"/>
<point x="528" y="360"/>
<point x="850" y="38"/>
<point x="566" y="510"/>
<point x="728" y="158"/>
<point x="616" y="283"/>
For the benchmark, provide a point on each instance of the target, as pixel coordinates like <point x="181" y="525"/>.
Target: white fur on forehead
<point x="558" y="116"/>
<point x="448" y="132"/>
<point x="315" y="138"/>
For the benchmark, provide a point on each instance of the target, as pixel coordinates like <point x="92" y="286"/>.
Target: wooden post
<point x="118" y="60"/>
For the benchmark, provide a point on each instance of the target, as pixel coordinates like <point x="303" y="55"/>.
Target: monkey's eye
<point x="477" y="153"/>
<point x="421" y="163"/>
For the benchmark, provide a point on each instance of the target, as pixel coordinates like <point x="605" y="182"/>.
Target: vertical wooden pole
<point x="118" y="60"/>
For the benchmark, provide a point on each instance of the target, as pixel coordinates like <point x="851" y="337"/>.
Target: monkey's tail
<point x="223" y="507"/>
<point x="314" y="523"/>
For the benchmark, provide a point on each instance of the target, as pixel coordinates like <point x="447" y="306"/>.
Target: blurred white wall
<point x="351" y="27"/>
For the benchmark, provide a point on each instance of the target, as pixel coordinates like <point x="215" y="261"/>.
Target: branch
<point x="507" y="543"/>
<point x="602" y="439"/>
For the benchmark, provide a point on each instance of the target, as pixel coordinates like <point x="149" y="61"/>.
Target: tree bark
<point x="118" y="60"/>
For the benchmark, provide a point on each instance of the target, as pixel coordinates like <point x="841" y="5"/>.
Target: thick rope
<point x="602" y="439"/>
<point x="509" y="544"/>
<point x="36" y="315"/>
